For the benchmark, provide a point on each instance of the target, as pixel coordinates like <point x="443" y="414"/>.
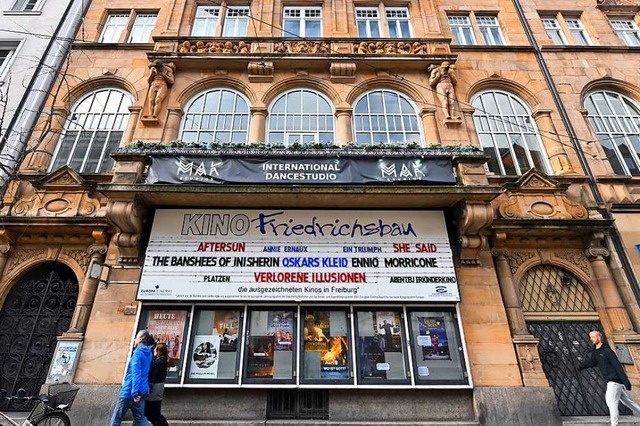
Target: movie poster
<point x="226" y="324"/>
<point x="433" y="338"/>
<point x="388" y="327"/>
<point x="205" y="357"/>
<point x="281" y="328"/>
<point x="260" y="357"/>
<point x="327" y="337"/>
<point x="64" y="362"/>
<point x="372" y="360"/>
<point x="167" y="327"/>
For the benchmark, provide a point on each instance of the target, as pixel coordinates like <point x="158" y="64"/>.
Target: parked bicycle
<point x="49" y="410"/>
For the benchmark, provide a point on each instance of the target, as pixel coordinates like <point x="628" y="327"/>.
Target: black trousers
<point x="152" y="410"/>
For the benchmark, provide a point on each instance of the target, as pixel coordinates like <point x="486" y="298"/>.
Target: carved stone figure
<point x="442" y="78"/>
<point x="162" y="76"/>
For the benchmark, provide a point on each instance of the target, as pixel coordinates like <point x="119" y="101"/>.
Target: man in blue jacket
<point x="135" y="386"/>
<point x="618" y="384"/>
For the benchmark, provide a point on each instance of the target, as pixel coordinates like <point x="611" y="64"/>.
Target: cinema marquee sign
<point x="231" y="170"/>
<point x="298" y="255"/>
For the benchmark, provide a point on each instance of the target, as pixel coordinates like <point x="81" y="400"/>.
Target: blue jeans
<point x="137" y="410"/>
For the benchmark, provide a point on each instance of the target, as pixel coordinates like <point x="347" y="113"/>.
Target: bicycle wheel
<point x="53" y="419"/>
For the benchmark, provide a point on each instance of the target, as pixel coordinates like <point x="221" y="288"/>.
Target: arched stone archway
<point x="37" y="309"/>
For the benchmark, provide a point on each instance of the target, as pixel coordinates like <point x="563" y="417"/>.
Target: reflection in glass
<point x="271" y="341"/>
<point x="380" y="346"/>
<point x="214" y="349"/>
<point x="436" y="346"/>
<point x="326" y="346"/>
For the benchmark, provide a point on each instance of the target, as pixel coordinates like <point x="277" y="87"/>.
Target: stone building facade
<point x="453" y="163"/>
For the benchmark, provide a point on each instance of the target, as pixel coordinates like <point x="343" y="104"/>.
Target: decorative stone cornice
<point x="472" y="219"/>
<point x="535" y="196"/>
<point x="63" y="193"/>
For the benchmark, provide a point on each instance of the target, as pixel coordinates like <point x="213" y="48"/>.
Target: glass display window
<point x="436" y="347"/>
<point x="270" y="346"/>
<point x="326" y="346"/>
<point x="381" y="347"/>
<point x="168" y="325"/>
<point x="214" y="351"/>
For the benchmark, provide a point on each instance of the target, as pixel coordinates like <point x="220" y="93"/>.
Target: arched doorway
<point x="559" y="311"/>
<point x="37" y="309"/>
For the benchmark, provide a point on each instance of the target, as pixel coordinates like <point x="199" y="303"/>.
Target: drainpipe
<point x="20" y="128"/>
<point x="602" y="208"/>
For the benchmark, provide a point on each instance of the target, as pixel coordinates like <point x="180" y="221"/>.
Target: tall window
<point x="113" y="28"/>
<point x="384" y="116"/>
<point x="8" y="51"/>
<point x="24" y="5"/>
<point x="508" y="134"/>
<point x="219" y="115"/>
<point x="236" y="22"/>
<point x="627" y="30"/>
<point x="301" y="116"/>
<point x="142" y="28"/>
<point x="398" y="22"/>
<point x="93" y="131"/>
<point x="461" y="29"/>
<point x="554" y="31"/>
<point x="302" y="22"/>
<point x="578" y="32"/>
<point x="368" y="22"/>
<point x="616" y="121"/>
<point x="206" y="21"/>
<point x="490" y="30"/>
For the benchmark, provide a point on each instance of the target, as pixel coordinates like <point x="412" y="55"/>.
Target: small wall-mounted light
<point x="566" y="280"/>
<point x="95" y="271"/>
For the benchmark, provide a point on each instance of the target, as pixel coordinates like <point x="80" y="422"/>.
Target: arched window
<point x="384" y="116"/>
<point x="508" y="134"/>
<point x="93" y="131"/>
<point x="616" y="121"/>
<point x="218" y="115"/>
<point x="301" y="116"/>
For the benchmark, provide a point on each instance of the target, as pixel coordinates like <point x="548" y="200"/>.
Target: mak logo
<point x="407" y="170"/>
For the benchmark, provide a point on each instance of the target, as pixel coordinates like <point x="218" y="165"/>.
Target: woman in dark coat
<point x="157" y="377"/>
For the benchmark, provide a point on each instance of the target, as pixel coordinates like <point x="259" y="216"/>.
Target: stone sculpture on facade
<point x="162" y="76"/>
<point x="214" y="47"/>
<point x="442" y="78"/>
<point x="386" y="48"/>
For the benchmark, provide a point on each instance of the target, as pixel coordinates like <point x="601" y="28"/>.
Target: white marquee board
<point x="298" y="255"/>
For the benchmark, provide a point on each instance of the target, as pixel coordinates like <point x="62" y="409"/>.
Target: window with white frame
<point x="206" y="21"/>
<point x="490" y="30"/>
<point x="93" y="131"/>
<point x="114" y="27"/>
<point x="302" y="22"/>
<point x="461" y="29"/>
<point x="508" y="134"/>
<point x="368" y="22"/>
<point x="616" y="121"/>
<point x="627" y="30"/>
<point x="25" y="5"/>
<point x="398" y="22"/>
<point x="8" y="51"/>
<point x="236" y="21"/>
<point x="578" y="31"/>
<point x="142" y="27"/>
<point x="383" y="117"/>
<point x="301" y="116"/>
<point x="219" y="115"/>
<point x="554" y="31"/>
